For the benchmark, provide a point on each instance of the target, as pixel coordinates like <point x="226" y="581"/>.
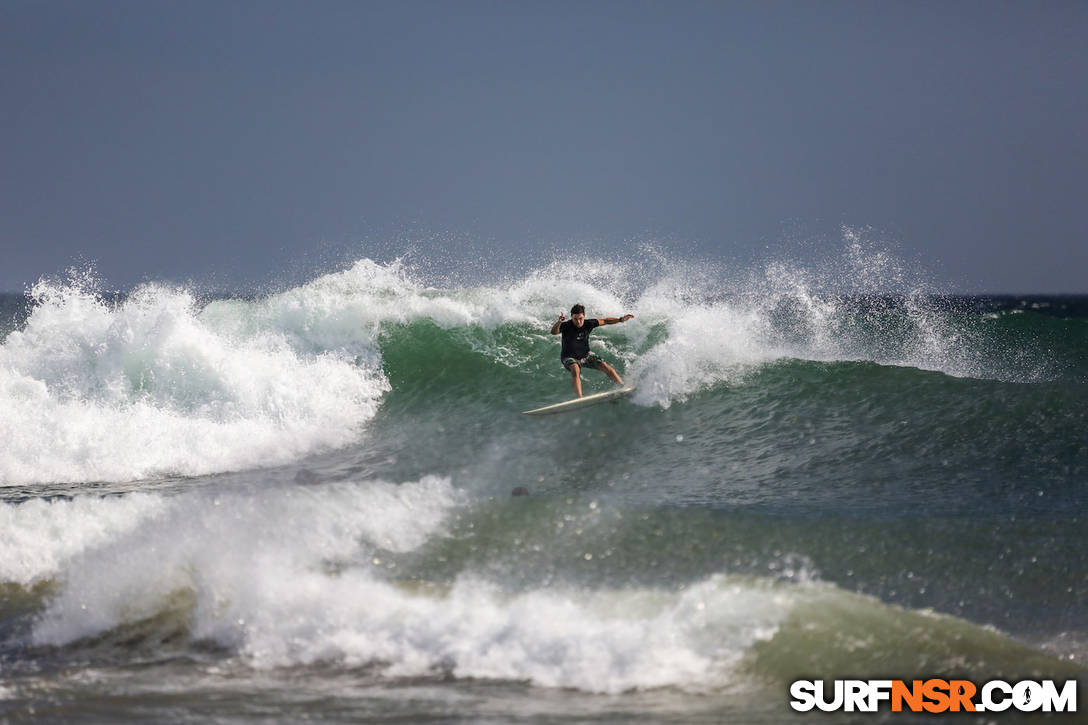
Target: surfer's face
<point x="578" y="318"/>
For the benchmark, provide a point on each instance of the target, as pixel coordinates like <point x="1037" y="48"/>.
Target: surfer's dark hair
<point x="578" y="308"/>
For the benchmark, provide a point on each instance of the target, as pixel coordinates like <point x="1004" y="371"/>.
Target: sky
<point x="241" y="142"/>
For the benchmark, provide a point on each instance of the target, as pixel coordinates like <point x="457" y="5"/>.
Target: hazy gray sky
<point x="231" y="140"/>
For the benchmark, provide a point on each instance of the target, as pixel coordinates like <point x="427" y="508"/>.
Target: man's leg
<point x="575" y="380"/>
<point x="607" y="370"/>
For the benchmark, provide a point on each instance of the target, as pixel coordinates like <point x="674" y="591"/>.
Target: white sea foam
<point x="149" y="387"/>
<point x="39" y="538"/>
<point x="344" y="310"/>
<point x="288" y="576"/>
<point x="715" y="332"/>
<point x="239" y="551"/>
<point x="599" y="641"/>
<point x="260" y="567"/>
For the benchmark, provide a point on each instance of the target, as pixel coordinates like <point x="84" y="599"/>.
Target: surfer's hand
<point x="562" y="317"/>
<point x="625" y="318"/>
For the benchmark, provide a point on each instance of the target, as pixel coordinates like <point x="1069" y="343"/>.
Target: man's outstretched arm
<point x="613" y="320"/>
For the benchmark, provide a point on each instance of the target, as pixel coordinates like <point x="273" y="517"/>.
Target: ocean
<point x="296" y="505"/>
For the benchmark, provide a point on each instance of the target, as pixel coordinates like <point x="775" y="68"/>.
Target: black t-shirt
<point x="576" y="339"/>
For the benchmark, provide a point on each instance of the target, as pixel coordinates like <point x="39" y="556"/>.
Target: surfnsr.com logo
<point x="933" y="696"/>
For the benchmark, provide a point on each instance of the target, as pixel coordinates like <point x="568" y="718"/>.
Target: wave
<point x="349" y="575"/>
<point x="155" y="384"/>
<point x="152" y="387"/>
<point x="126" y="554"/>
<point x="40" y="537"/>
<point x="707" y="637"/>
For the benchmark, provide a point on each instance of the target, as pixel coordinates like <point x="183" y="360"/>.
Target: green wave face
<point x="780" y="432"/>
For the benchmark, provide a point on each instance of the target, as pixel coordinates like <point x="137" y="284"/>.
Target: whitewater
<point x="297" y="503"/>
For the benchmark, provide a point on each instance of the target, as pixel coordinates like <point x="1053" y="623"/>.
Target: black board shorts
<point x="590" y="361"/>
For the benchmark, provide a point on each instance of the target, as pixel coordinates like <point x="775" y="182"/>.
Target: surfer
<point x="575" y="352"/>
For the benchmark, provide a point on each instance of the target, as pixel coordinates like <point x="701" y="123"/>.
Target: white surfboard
<point x="568" y="405"/>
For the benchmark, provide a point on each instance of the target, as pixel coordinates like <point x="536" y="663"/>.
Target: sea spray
<point x="147" y="387"/>
<point x="155" y="384"/>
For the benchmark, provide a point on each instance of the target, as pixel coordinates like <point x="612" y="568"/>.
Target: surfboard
<point x="584" y="402"/>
